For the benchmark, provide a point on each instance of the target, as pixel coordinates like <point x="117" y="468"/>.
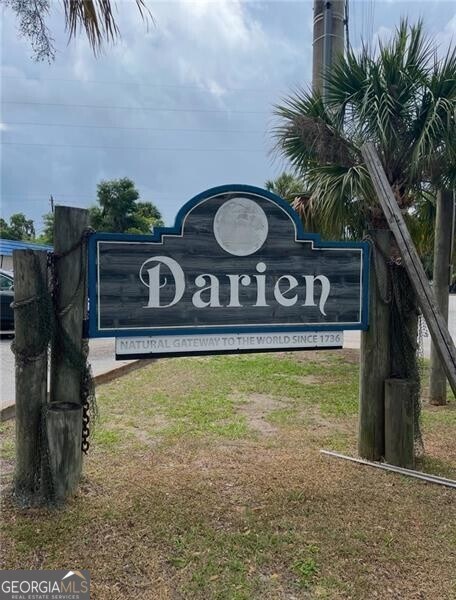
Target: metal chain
<point x="87" y="398"/>
<point x="76" y="357"/>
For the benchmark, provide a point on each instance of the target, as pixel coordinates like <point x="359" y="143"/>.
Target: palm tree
<point x="401" y="98"/>
<point x="94" y="17"/>
<point x="287" y="186"/>
<point x="292" y="189"/>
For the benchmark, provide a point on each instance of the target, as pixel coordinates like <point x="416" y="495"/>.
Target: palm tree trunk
<point x="441" y="280"/>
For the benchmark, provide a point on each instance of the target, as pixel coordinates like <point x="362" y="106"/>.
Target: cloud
<point x="447" y="37"/>
<point x="221" y="56"/>
<point x="229" y="60"/>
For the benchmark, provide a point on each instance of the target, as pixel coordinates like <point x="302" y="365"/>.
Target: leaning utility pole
<point x="328" y="38"/>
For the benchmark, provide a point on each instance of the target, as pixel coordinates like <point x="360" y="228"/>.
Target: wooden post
<point x="64" y="431"/>
<point x="438" y="328"/>
<point x="440" y="285"/>
<point x="66" y="355"/>
<point x="30" y="345"/>
<point x="399" y="423"/>
<point x="375" y="352"/>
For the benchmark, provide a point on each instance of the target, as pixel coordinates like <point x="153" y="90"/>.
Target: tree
<point x="287" y="186"/>
<point x="19" y="228"/>
<point x="4" y="230"/>
<point x="94" y="17"/>
<point x="402" y="99"/>
<point x="292" y="189"/>
<point x="119" y="210"/>
<point x="47" y="237"/>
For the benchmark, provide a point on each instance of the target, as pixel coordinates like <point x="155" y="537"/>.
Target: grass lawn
<point x="204" y="481"/>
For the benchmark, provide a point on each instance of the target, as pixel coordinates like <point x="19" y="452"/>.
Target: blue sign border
<point x="301" y="236"/>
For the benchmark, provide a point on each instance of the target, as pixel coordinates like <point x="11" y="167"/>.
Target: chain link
<point x="77" y="358"/>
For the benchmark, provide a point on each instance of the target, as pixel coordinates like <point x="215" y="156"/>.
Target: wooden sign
<point x="236" y="273"/>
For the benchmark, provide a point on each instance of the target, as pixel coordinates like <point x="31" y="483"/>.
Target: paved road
<point x="351" y="338"/>
<point x="101" y="358"/>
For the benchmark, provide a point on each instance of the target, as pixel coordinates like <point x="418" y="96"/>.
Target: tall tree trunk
<point x="441" y="281"/>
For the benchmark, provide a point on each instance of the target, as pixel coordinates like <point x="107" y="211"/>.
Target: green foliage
<point x="305" y="569"/>
<point x="47" y="237"/>
<point x="119" y="210"/>
<point x="96" y="18"/>
<point x="287" y="186"/>
<point x="401" y="98"/>
<point x="19" y="228"/>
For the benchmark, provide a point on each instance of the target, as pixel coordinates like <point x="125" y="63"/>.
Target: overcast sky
<point x="178" y="108"/>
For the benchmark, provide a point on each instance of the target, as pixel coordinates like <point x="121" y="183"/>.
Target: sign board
<point x="236" y="273"/>
<point x="140" y="347"/>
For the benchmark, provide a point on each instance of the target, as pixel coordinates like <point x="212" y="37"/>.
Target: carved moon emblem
<point x="240" y="226"/>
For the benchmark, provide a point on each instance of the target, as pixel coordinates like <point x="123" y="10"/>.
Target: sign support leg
<point x="375" y="352"/>
<point x="64" y="422"/>
<point x="30" y="348"/>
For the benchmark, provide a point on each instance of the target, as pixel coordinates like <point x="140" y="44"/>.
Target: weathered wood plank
<point x="375" y="354"/>
<point x="64" y="435"/>
<point x="440" y="284"/>
<point x="243" y="288"/>
<point x="69" y="226"/>
<point x="30" y="281"/>
<point x="399" y="423"/>
<point x="426" y="299"/>
<point x="64" y="422"/>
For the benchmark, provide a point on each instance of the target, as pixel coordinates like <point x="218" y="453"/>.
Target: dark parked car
<point x="6" y="298"/>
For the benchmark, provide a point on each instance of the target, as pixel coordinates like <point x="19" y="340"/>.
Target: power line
<point x="158" y="149"/>
<point x="85" y="199"/>
<point x="177" y="129"/>
<point x="201" y="88"/>
<point x="148" y="108"/>
<point x="36" y="196"/>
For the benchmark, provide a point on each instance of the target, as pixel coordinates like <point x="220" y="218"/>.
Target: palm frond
<point x="96" y="18"/>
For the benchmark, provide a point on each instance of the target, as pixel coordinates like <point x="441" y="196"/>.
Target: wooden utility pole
<point x="426" y="299"/>
<point x="328" y="38"/>
<point x="64" y="423"/>
<point x="31" y="329"/>
<point x="64" y="435"/>
<point x="444" y="224"/>
<point x="399" y="423"/>
<point x="375" y="351"/>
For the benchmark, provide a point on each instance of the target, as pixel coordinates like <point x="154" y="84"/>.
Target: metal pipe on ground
<point x="451" y="483"/>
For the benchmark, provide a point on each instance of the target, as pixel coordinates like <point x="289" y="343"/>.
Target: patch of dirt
<point x="450" y="406"/>
<point x="304" y="379"/>
<point x="349" y="355"/>
<point x="6" y="466"/>
<point x="256" y="408"/>
<point x="151" y="437"/>
<point x="318" y="356"/>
